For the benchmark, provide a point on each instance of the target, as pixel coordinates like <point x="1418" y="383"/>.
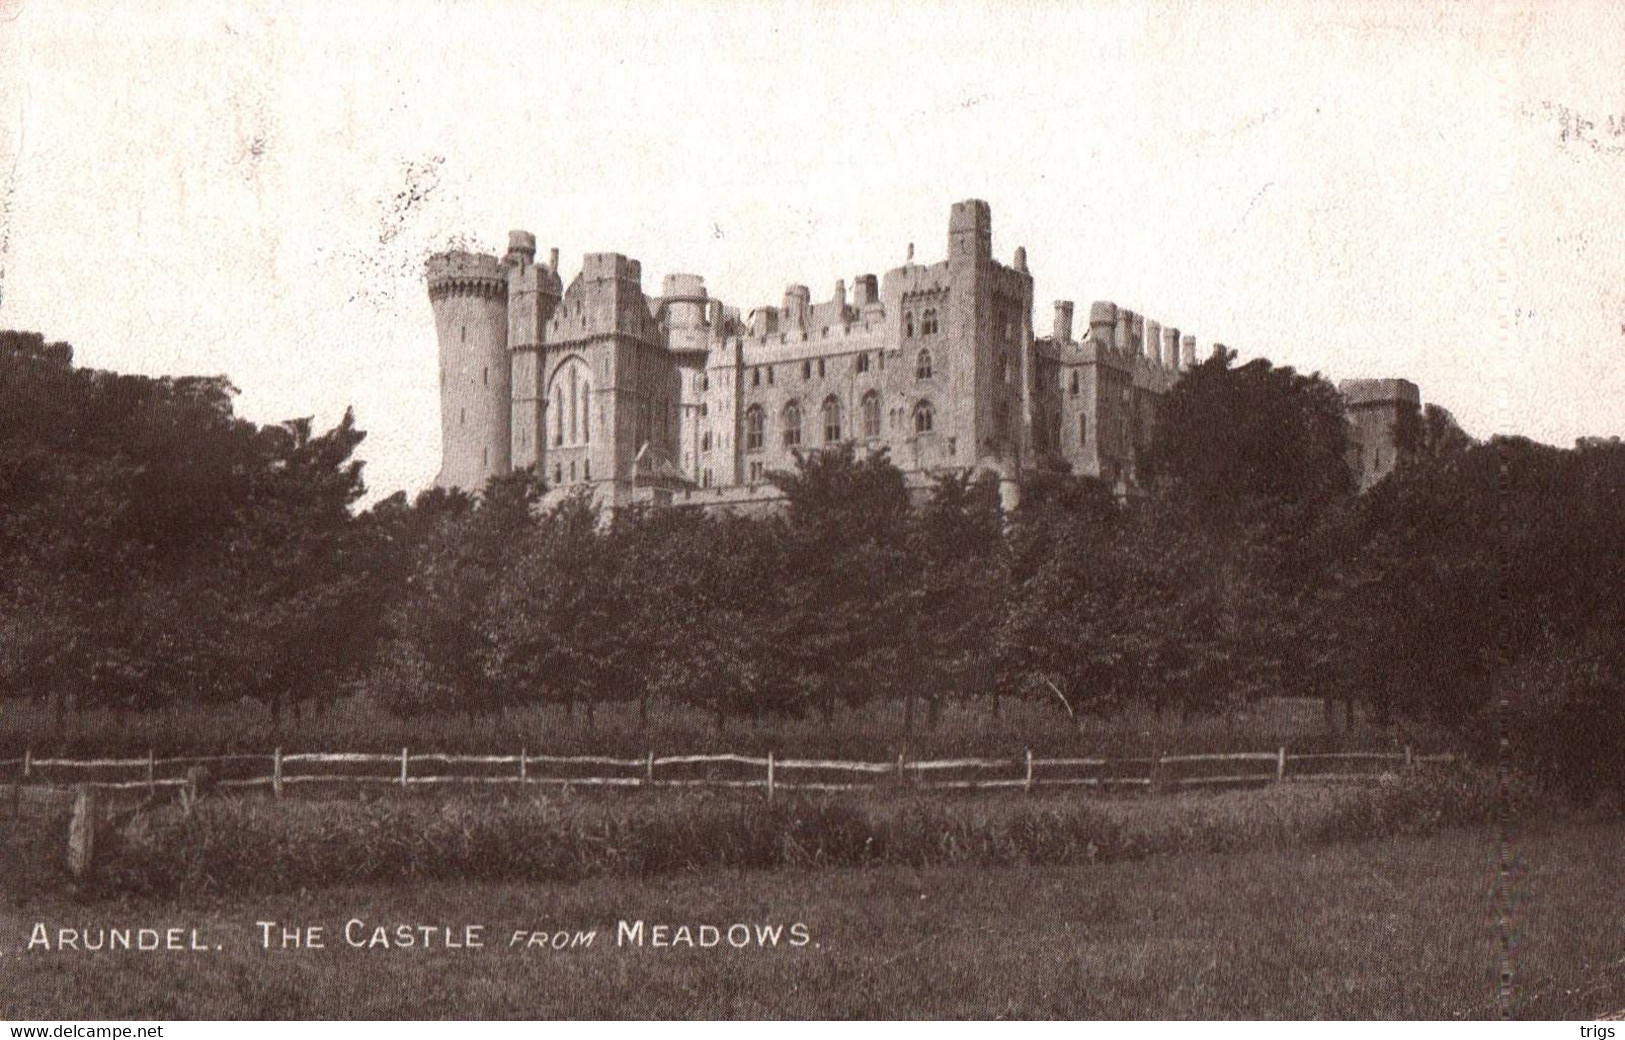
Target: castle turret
<point x="1152" y="348"/>
<point x="1103" y="321"/>
<point x="1188" y="351"/>
<point x="469" y="295"/>
<point x="1170" y="349"/>
<point x="533" y="295"/>
<point x="797" y="302"/>
<point x="1061" y="330"/>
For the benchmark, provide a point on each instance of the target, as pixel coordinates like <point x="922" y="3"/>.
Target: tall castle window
<point x="792" y="424"/>
<point x="755" y="427"/>
<point x="1074" y="382"/>
<point x="572" y="403"/>
<point x="928" y="322"/>
<point x="908" y="324"/>
<point x="871" y="414"/>
<point x="832" y="419"/>
<point x="863" y="362"/>
<point x="922" y="365"/>
<point x="806" y="370"/>
<point x="1083" y="429"/>
<point x="924" y="417"/>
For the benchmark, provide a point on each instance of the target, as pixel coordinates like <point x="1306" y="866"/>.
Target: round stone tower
<point x="469" y="294"/>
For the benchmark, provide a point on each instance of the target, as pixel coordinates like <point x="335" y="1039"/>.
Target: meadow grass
<point x="258" y="844"/>
<point x="1405" y="927"/>
<point x="877" y="731"/>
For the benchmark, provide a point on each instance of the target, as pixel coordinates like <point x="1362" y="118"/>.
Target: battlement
<point x="683" y="288"/>
<point x="1379" y="391"/>
<point x="608" y="267"/>
<point x="463" y="273"/>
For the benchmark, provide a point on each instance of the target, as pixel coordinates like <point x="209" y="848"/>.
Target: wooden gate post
<point x="1280" y="765"/>
<point x="522" y="768"/>
<point x="649" y="769"/>
<point x="403" y="769"/>
<point x="152" y="786"/>
<point x="276" y="773"/>
<point x="770" y="776"/>
<point x="1028" y="784"/>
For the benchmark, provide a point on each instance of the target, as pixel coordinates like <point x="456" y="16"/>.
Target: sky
<point x="1426" y="190"/>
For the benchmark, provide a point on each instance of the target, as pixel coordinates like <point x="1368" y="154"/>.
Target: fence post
<point x="1029" y="781"/>
<point x="1280" y="764"/>
<point x="152" y="787"/>
<point x="523" y="778"/>
<point x="1408" y="760"/>
<point x="28" y="762"/>
<point x="276" y="772"/>
<point x="82" y="831"/>
<point x="770" y="776"/>
<point x="403" y="769"/>
<point x="900" y="774"/>
<point x="649" y="770"/>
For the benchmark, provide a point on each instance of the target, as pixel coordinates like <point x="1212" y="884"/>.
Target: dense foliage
<point x="157" y="550"/>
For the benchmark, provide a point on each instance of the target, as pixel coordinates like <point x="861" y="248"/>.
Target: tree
<point x="1251" y="443"/>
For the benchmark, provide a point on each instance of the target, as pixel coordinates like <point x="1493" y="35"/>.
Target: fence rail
<point x="769" y="772"/>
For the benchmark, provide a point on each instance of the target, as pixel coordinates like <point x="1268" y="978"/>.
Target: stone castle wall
<point x="679" y="398"/>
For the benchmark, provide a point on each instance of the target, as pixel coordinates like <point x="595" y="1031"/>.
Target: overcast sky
<point x="1429" y="191"/>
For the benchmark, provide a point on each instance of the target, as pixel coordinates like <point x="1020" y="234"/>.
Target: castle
<point x="680" y="398"/>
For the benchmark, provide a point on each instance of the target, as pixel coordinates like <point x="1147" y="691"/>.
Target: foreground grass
<point x="256" y="844"/>
<point x="1406" y="927"/>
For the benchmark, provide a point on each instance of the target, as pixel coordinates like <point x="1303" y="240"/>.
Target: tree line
<point x="158" y="550"/>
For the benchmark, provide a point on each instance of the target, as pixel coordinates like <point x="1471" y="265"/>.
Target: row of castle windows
<point x="558" y="472"/>
<point x="928" y="323"/>
<point x="790" y="422"/>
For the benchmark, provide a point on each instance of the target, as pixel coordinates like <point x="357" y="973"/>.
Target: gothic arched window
<point x="908" y="324"/>
<point x="871" y="414"/>
<point x="832" y="419"/>
<point x="755" y="428"/>
<point x="928" y="322"/>
<point x="792" y="424"/>
<point x="572" y="403"/>
<point x="924" y="417"/>
<point x="922" y="365"/>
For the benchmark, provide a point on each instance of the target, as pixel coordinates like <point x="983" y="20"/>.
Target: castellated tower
<point x="533" y="296"/>
<point x="469" y="294"/>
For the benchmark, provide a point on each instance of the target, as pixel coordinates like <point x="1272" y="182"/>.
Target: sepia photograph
<point x="850" y="510"/>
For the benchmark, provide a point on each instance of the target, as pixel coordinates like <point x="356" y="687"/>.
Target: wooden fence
<point x="278" y="770"/>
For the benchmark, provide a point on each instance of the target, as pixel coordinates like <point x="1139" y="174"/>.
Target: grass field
<point x="878" y="731"/>
<point x="1400" y="928"/>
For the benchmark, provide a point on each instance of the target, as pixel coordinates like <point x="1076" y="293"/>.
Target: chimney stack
<point x="865" y="290"/>
<point x="1170" y="349"/>
<point x="1125" y="329"/>
<point x="1188" y="349"/>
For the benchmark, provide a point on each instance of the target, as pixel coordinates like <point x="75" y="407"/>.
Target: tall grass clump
<point x="261" y="845"/>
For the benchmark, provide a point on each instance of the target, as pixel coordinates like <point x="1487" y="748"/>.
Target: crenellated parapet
<point x="461" y="273"/>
